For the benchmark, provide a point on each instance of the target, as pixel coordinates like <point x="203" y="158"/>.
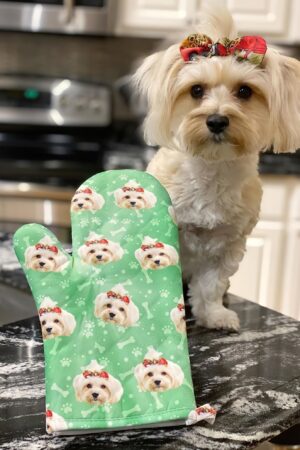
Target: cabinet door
<point x="259" y="275"/>
<point x="263" y="16"/>
<point x="152" y="17"/>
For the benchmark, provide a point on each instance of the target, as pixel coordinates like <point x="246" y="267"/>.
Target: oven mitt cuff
<point x="112" y="315"/>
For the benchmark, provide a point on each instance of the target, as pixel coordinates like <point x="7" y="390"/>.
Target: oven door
<point x="58" y="16"/>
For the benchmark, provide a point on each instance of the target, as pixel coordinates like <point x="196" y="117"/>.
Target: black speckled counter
<point x="252" y="378"/>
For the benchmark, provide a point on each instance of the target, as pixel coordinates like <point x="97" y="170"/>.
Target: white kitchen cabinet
<point x="152" y="18"/>
<point x="270" y="271"/>
<point x="276" y="20"/>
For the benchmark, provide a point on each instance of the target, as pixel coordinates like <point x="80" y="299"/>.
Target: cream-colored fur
<point x="213" y="180"/>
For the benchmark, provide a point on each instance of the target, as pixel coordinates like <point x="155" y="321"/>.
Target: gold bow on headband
<point x="249" y="48"/>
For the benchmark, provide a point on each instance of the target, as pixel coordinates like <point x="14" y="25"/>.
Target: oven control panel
<point x="55" y="102"/>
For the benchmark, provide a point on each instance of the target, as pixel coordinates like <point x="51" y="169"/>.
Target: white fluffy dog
<point x="116" y="307"/>
<point x="211" y="116"/>
<point x="133" y="196"/>
<point x="155" y="255"/>
<point x="54" y="422"/>
<point x="177" y="315"/>
<point x="55" y="321"/>
<point x="96" y="386"/>
<point x="45" y="257"/>
<point x="157" y="374"/>
<point x="85" y="199"/>
<point x="99" y="250"/>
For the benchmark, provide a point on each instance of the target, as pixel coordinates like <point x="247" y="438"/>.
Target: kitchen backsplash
<point x="99" y="59"/>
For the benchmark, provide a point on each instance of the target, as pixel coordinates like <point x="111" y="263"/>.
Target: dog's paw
<point x="221" y="318"/>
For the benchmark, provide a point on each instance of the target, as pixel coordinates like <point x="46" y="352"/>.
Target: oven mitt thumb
<point x="112" y="315"/>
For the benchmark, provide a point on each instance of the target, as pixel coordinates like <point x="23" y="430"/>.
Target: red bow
<point x="96" y="241"/>
<point x="52" y="248"/>
<point x="138" y="189"/>
<point x="91" y="373"/>
<point x="149" y="362"/>
<point x="180" y="306"/>
<point x="206" y="409"/>
<point x="250" y="48"/>
<point x="56" y="309"/>
<point x="113" y="294"/>
<point x="84" y="191"/>
<point x="49" y="413"/>
<point x="157" y="245"/>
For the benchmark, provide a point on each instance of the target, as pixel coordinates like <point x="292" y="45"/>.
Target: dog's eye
<point x="56" y="321"/>
<point x="75" y="200"/>
<point x="44" y="322"/>
<point x="164" y="373"/>
<point x="103" y="386"/>
<point x="161" y="254"/>
<point x="38" y="256"/>
<point x="244" y="92"/>
<point x="92" y="251"/>
<point x="197" y="91"/>
<point x="121" y="309"/>
<point x="108" y="305"/>
<point x="50" y="258"/>
<point x="105" y="249"/>
<point x="139" y="197"/>
<point x="149" y="256"/>
<point x="86" y="198"/>
<point x="127" y="196"/>
<point x="150" y="374"/>
<point x="89" y="386"/>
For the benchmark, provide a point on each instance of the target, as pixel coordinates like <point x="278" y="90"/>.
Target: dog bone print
<point x="158" y="403"/>
<point x="120" y="230"/>
<point x="87" y="412"/>
<point x="123" y="344"/>
<point x="148" y="312"/>
<point x="136" y="408"/>
<point x="124" y="375"/>
<point x="56" y="388"/>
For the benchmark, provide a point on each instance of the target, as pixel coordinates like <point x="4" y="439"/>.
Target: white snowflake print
<point x="113" y="221"/>
<point x="67" y="408"/>
<point x="164" y="293"/>
<point x="65" y="362"/>
<point x="133" y="265"/>
<point x="83" y="222"/>
<point x="137" y="351"/>
<point x="167" y="329"/>
<point x="126" y="221"/>
<point x="88" y="328"/>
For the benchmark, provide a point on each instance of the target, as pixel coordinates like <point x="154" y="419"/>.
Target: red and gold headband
<point x="150" y="362"/>
<point x="94" y="373"/>
<point x="137" y="189"/>
<point x="52" y="248"/>
<point x="56" y="309"/>
<point x="145" y="247"/>
<point x="84" y="191"/>
<point x="180" y="306"/>
<point x="96" y="241"/>
<point x="245" y="48"/>
<point x="113" y="294"/>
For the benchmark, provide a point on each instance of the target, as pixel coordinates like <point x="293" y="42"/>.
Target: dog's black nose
<point x="157" y="261"/>
<point x="112" y="315"/>
<point x="95" y="395"/>
<point x="42" y="264"/>
<point x="99" y="257"/>
<point x="217" y="123"/>
<point x="48" y="330"/>
<point x="157" y="382"/>
<point x="80" y="205"/>
<point x="132" y="203"/>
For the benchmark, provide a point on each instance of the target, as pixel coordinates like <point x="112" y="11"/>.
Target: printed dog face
<point x="178" y="317"/>
<point x="96" y="386"/>
<point x="99" y="250"/>
<point x="157" y="374"/>
<point x="116" y="307"/>
<point x="54" y="422"/>
<point x="54" y="320"/>
<point x="133" y="196"/>
<point x="156" y="255"/>
<point x="85" y="199"/>
<point x="45" y="257"/>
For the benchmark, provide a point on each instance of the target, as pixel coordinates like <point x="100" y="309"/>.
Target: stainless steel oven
<point x="58" y="16"/>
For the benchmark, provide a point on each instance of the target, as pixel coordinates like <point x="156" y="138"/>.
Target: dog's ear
<point x="133" y="315"/>
<point x="139" y="375"/>
<point x="284" y="101"/>
<point x="61" y="261"/>
<point x="77" y="387"/>
<point x="145" y="78"/>
<point x="98" y="200"/>
<point x="171" y="251"/>
<point x="69" y="323"/>
<point x="116" y="389"/>
<point x="151" y="199"/>
<point x="118" y="252"/>
<point x="28" y="255"/>
<point x="177" y="375"/>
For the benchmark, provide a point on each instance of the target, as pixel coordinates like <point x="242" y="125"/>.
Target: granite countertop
<point x="252" y="378"/>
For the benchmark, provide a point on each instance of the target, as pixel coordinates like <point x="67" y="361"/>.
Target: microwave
<point x="91" y="17"/>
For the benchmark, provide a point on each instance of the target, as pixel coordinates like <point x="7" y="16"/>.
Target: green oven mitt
<point x="112" y="315"/>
